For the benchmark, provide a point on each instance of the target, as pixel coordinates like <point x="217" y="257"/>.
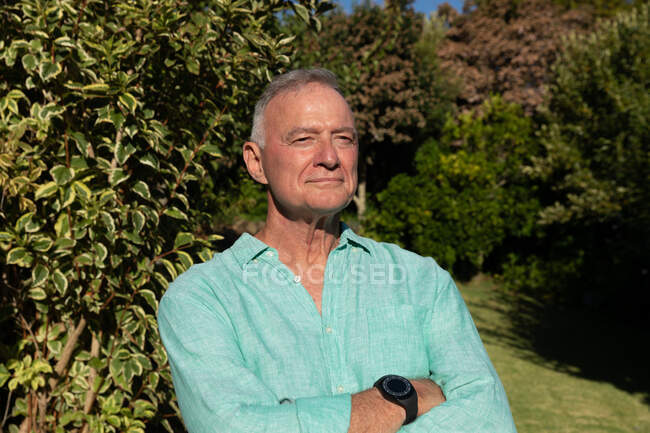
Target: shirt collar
<point x="349" y="236"/>
<point x="248" y="247"/>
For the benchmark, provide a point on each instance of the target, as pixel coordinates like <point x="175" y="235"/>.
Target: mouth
<point x="326" y="180"/>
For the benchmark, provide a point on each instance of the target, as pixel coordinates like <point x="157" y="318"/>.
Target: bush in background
<point x="109" y="113"/>
<point x="595" y="172"/>
<point x="468" y="193"/>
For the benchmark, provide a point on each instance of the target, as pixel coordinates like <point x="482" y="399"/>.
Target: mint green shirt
<point x="249" y="352"/>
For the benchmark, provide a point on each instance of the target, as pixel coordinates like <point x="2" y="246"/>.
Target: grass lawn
<point x="544" y="396"/>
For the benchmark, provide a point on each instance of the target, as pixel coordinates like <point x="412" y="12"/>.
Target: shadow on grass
<point x="586" y="344"/>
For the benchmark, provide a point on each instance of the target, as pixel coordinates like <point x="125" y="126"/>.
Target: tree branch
<point x="92" y="392"/>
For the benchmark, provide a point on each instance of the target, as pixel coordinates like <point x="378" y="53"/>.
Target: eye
<point x="302" y="140"/>
<point x="345" y="139"/>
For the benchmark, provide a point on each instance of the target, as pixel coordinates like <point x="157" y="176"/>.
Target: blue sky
<point x="425" y="6"/>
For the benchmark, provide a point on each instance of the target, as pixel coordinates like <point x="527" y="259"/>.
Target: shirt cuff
<point x="324" y="414"/>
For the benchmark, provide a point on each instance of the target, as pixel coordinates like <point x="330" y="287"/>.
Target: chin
<point x="329" y="207"/>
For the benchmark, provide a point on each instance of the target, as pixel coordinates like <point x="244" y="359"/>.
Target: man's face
<point x="310" y="156"/>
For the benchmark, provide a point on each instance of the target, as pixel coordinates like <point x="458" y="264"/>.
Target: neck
<point x="302" y="241"/>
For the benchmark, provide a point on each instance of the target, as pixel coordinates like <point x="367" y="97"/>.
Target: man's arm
<point x="372" y="413"/>
<point x="217" y="393"/>
<point x="476" y="401"/>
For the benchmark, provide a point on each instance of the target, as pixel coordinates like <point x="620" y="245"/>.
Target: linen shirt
<point x="249" y="351"/>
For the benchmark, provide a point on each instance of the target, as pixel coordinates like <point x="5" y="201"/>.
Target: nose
<point x="326" y="155"/>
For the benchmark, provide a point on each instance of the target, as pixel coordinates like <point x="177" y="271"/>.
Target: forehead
<point x="311" y="103"/>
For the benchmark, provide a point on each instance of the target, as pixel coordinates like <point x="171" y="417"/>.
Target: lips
<point x="326" y="179"/>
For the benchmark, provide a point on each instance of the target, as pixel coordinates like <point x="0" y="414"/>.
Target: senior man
<point x="309" y="327"/>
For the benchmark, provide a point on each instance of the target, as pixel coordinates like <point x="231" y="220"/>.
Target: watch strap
<point x="410" y="403"/>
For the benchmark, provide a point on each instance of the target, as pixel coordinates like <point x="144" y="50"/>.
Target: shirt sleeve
<point x="476" y="400"/>
<point x="215" y="390"/>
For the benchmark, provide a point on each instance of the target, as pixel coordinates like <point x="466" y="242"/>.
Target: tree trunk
<point x="360" y="197"/>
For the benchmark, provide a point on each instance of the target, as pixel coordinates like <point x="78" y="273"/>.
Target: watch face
<point x="397" y="386"/>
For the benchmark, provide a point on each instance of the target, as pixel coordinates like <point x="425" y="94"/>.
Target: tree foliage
<point x="109" y="113"/>
<point x="385" y="60"/>
<point x="468" y="193"/>
<point x="507" y="47"/>
<point x="595" y="169"/>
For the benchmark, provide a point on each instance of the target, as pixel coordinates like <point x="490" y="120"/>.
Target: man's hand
<point x="429" y="395"/>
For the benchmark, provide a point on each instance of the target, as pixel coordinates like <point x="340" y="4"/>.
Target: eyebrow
<point x="297" y="131"/>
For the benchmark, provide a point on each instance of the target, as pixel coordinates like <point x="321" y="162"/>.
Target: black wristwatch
<point x="400" y="391"/>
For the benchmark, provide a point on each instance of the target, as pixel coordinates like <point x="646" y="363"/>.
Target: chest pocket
<point x="387" y="340"/>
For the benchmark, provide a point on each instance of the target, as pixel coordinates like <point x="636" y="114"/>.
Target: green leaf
<point x="37" y="294"/>
<point x="117" y="176"/>
<point x="39" y="275"/>
<point x="171" y="270"/>
<point x="82" y="144"/>
<point x="122" y="152"/>
<point x="96" y="88"/>
<point x="143" y="409"/>
<point x="101" y="252"/>
<point x="62" y="225"/>
<point x="83" y="259"/>
<point x="60" y="281"/>
<point x="4" y="375"/>
<point x="65" y="41"/>
<point x="193" y="65"/>
<point x="29" y="62"/>
<point x="108" y="221"/>
<point x="287" y="40"/>
<point x="301" y="11"/>
<point x="61" y="174"/>
<point x="183" y="238"/>
<point x="129" y="102"/>
<point x="205" y="254"/>
<point x="45" y="190"/>
<point x="154" y="378"/>
<point x="70" y="416"/>
<point x="161" y="279"/>
<point x="19" y="256"/>
<point x="150" y="160"/>
<point x="48" y="70"/>
<point x="82" y="190"/>
<point x="62" y="244"/>
<point x="50" y="110"/>
<point x="212" y="150"/>
<point x="106" y="196"/>
<point x="97" y="363"/>
<point x="138" y="220"/>
<point x="175" y="213"/>
<point x="68" y="196"/>
<point x="26" y="222"/>
<point x="142" y="189"/>
<point x="150" y="297"/>
<point x="185" y="259"/>
<point x="41" y="243"/>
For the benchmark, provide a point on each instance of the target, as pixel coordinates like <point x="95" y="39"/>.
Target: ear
<point x="253" y="159"/>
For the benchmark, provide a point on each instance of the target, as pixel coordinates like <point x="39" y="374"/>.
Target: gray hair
<point x="292" y="80"/>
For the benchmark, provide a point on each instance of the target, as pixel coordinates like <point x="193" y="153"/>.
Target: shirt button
<point x="269" y="253"/>
<point x="296" y="279"/>
<point x="328" y="330"/>
<point x="339" y="388"/>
